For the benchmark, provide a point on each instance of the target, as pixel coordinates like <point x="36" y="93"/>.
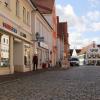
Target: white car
<point x="74" y="61"/>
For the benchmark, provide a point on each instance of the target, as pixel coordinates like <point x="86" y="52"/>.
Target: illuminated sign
<point x="7" y="26"/>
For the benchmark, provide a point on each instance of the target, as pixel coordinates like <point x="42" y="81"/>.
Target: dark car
<point x="74" y="61"/>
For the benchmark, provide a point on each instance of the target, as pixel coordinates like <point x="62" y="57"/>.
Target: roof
<point x="32" y="1"/>
<point x="98" y="45"/>
<point x="44" y="6"/>
<point x="85" y="49"/>
<point x="77" y="51"/>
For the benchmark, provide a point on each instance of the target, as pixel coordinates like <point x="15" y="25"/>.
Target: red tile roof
<point x="44" y="6"/>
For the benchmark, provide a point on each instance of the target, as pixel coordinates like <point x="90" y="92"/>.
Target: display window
<point x="4" y="48"/>
<point x="27" y="55"/>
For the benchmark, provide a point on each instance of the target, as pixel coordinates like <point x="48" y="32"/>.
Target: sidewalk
<point x="19" y="75"/>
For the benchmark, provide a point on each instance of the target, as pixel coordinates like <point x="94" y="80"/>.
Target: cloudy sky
<point x="83" y="17"/>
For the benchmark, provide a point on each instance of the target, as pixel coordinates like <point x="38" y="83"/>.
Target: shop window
<point x="27" y="60"/>
<point x="98" y="62"/>
<point x="4" y="58"/>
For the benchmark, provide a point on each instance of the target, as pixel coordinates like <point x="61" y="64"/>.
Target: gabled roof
<point x="44" y="6"/>
<point x="98" y="45"/>
<point x="33" y="3"/>
<point x="77" y="51"/>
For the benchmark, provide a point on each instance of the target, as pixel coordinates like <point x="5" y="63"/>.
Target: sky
<point x="83" y="18"/>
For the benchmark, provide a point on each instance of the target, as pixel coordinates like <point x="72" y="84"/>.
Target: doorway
<point x="18" y="55"/>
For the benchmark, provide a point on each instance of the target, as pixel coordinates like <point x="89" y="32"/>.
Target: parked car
<point x="74" y="61"/>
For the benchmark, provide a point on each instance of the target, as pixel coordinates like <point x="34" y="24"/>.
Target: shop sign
<point x="9" y="27"/>
<point x="22" y="34"/>
<point x="43" y="45"/>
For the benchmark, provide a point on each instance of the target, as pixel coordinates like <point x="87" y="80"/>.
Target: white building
<point x="41" y="27"/>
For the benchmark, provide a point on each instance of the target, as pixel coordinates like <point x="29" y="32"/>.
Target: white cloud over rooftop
<point x="79" y="25"/>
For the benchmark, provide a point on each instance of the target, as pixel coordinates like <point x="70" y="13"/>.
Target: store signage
<point x="9" y="27"/>
<point x="43" y="45"/>
<point x="22" y="34"/>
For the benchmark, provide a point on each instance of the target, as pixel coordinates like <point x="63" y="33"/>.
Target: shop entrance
<point x="18" y="55"/>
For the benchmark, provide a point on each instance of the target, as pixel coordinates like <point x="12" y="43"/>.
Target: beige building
<point x="15" y="32"/>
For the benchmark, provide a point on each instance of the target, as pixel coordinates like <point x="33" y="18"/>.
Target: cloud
<point x="96" y="26"/>
<point x="94" y="3"/>
<point x="77" y="26"/>
<point x="93" y="15"/>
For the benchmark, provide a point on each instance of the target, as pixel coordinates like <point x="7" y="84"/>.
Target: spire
<point x="94" y="44"/>
<point x="74" y="54"/>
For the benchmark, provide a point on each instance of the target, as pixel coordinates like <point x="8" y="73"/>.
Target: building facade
<point x="47" y="8"/>
<point x="63" y="51"/>
<point x="43" y="45"/>
<point x="90" y="54"/>
<point x="16" y="44"/>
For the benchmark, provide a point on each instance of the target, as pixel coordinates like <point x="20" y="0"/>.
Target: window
<point x="7" y="3"/>
<point x="24" y="15"/>
<point x="17" y="8"/>
<point x="27" y="55"/>
<point x="7" y="41"/>
<point x="28" y="18"/>
<point x="3" y="40"/>
<point x="4" y="61"/>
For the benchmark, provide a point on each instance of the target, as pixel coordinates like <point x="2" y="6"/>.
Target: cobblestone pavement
<point x="77" y="83"/>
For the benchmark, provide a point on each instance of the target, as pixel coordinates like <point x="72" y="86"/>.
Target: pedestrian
<point x="35" y="62"/>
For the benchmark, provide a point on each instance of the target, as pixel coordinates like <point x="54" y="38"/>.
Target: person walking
<point x="35" y="62"/>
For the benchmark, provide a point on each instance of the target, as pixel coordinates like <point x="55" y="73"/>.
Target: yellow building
<point x="15" y="32"/>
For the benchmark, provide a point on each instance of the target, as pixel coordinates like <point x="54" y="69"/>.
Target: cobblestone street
<point x="77" y="83"/>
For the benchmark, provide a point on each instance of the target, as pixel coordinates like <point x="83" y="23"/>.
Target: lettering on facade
<point x="22" y="34"/>
<point x="9" y="27"/>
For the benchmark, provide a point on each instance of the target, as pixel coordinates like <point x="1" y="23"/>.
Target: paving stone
<point x="77" y="83"/>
